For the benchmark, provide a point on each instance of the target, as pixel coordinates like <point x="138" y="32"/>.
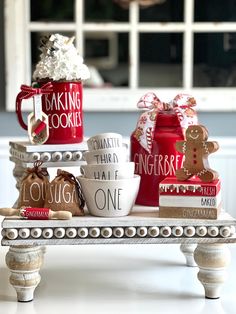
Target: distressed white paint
<point x="142" y="226"/>
<point x="211" y="254"/>
<point x="115" y="231"/>
<point x="212" y="258"/>
<point x="140" y="216"/>
<point x="24" y="264"/>
<point x="212" y="261"/>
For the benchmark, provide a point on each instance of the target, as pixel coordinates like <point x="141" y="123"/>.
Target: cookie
<point x="196" y="150"/>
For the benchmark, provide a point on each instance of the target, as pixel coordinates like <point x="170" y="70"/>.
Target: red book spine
<point x="188" y="188"/>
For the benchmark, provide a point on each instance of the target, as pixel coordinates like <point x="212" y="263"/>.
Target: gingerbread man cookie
<point x="196" y="150"/>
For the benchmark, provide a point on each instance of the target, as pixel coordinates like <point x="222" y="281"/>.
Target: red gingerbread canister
<point x="153" y="142"/>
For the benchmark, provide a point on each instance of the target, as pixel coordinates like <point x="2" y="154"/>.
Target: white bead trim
<point x="119" y="232"/>
<point x="36" y="233"/>
<point x="189" y="231"/>
<point x="225" y="232"/>
<point x="71" y="233"/>
<point x="83" y="232"/>
<point x="201" y="231"/>
<point x="213" y="231"/>
<point x="130" y="232"/>
<point x="94" y="232"/>
<point x="177" y="231"/>
<point x="47" y="233"/>
<point x="59" y="233"/>
<point x="55" y="156"/>
<point x="142" y="232"/>
<point x="106" y="232"/>
<point x="24" y="233"/>
<point x="153" y="232"/>
<point x="165" y="232"/>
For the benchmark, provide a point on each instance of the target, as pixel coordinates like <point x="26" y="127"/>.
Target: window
<point x="170" y="47"/>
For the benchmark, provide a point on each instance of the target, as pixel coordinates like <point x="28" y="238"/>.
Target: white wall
<point x="8" y="191"/>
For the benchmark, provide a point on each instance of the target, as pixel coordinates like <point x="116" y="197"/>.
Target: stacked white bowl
<point x="108" y="182"/>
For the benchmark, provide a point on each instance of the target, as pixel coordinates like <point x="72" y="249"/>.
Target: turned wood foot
<point x="212" y="260"/>
<point x="188" y="250"/>
<point x="24" y="263"/>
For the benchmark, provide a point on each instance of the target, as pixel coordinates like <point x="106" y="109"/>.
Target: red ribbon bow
<point x="182" y="105"/>
<point x="29" y="91"/>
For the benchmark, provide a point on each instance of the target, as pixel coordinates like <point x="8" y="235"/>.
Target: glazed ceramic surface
<point x="110" y="198"/>
<point x="106" y="156"/>
<point x="104" y="141"/>
<point x="63" y="107"/>
<point x="114" y="171"/>
<point x="161" y="161"/>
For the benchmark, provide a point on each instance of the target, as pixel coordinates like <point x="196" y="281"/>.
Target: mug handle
<point x="19" y="99"/>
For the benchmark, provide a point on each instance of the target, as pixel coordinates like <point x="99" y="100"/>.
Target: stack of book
<point x="189" y="199"/>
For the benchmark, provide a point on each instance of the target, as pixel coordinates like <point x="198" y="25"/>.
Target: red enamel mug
<point x="63" y="106"/>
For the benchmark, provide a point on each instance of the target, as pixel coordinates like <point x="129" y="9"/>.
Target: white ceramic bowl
<point x="114" y="171"/>
<point x="106" y="156"/>
<point x="105" y="141"/>
<point x="110" y="198"/>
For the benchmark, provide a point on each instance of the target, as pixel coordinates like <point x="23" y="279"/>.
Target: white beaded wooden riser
<point x="143" y="226"/>
<point x="133" y="229"/>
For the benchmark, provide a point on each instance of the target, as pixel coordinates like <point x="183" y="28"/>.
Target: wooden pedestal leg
<point x="187" y="250"/>
<point x="24" y="263"/>
<point x="212" y="260"/>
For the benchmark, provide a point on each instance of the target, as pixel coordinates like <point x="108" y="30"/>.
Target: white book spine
<point x="190" y="201"/>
